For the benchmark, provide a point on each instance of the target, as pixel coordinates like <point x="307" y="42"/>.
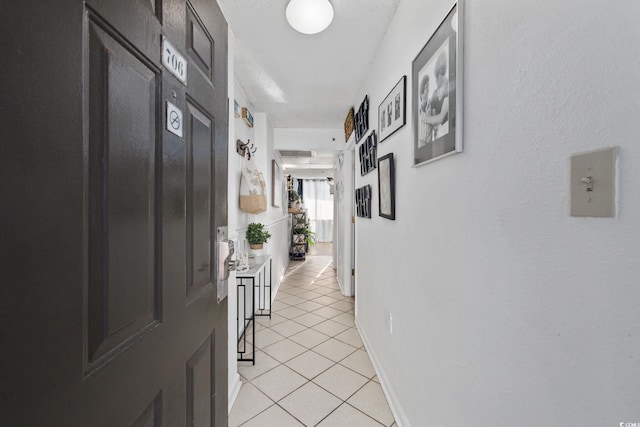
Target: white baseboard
<point x="394" y="403"/>
<point x="345" y="293"/>
<point x="234" y="389"/>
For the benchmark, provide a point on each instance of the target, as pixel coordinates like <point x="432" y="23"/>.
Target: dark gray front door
<point x="108" y="307"/>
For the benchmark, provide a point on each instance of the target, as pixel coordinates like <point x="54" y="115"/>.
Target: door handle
<point x="223" y="253"/>
<point x="225" y="250"/>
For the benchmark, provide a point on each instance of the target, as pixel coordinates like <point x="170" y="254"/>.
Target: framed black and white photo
<point x="386" y="187"/>
<point x="392" y="113"/>
<point x="437" y="77"/>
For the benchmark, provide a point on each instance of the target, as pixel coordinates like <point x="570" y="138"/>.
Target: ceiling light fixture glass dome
<point x="309" y="16"/>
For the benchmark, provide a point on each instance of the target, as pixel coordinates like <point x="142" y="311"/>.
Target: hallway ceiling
<point x="305" y="81"/>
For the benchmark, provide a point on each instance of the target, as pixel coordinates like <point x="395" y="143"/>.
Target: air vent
<point x="294" y="153"/>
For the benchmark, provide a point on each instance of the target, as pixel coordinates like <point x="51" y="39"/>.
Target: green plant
<point x="256" y="234"/>
<point x="293" y="196"/>
<point x="309" y="235"/>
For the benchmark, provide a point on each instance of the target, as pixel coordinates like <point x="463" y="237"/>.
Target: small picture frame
<point x="392" y="114"/>
<point x="348" y="125"/>
<point x="363" y="201"/>
<point x="368" y="154"/>
<point x="386" y="187"/>
<point x="361" y="119"/>
<point x="437" y="78"/>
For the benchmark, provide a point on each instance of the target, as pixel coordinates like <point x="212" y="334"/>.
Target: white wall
<point x="274" y="219"/>
<point x="506" y="310"/>
<point x="343" y="202"/>
<point x="309" y="139"/>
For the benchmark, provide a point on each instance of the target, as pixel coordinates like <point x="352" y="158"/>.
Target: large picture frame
<point x="276" y="184"/>
<point x="437" y="80"/>
<point x="392" y="112"/>
<point x="386" y="187"/>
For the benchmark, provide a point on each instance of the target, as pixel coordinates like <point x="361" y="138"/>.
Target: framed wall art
<point x="363" y="201"/>
<point x="437" y="77"/>
<point x="361" y="121"/>
<point x="386" y="187"/>
<point x="348" y="125"/>
<point x="392" y="114"/>
<point x="368" y="154"/>
<point x="276" y="184"/>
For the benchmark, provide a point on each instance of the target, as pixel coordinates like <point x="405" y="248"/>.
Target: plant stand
<point x="297" y="250"/>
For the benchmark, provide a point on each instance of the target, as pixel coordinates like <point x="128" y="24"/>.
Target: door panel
<point x="200" y="44"/>
<point x="199" y="143"/>
<point x="152" y="415"/>
<point x="123" y="111"/>
<point x="200" y="389"/>
<point x="106" y="214"/>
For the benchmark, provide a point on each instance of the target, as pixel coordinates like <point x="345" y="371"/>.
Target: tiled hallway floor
<point x="311" y="366"/>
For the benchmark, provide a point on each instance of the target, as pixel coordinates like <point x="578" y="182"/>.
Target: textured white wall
<point x="507" y="311"/>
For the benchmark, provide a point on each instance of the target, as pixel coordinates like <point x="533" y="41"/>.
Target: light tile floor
<point x="311" y="366"/>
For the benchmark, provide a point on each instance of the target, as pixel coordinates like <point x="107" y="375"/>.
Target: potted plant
<point x="309" y="235"/>
<point x="257" y="235"/>
<point x="294" y="199"/>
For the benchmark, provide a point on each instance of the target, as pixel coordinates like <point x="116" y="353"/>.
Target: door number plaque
<point x="174" y="119"/>
<point x="173" y="61"/>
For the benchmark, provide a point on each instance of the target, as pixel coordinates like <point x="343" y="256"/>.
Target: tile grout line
<point x="330" y="286"/>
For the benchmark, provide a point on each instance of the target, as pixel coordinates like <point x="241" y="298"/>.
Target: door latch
<point x="223" y="253"/>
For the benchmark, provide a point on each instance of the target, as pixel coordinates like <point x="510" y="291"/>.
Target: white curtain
<point x="319" y="205"/>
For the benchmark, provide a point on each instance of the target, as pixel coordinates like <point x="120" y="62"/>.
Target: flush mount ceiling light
<point x="309" y="16"/>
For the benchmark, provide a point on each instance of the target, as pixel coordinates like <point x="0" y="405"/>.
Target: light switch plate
<point x="593" y="182"/>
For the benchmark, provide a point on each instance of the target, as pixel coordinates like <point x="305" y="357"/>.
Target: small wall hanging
<point x="368" y="154"/>
<point x="363" y="201"/>
<point x="252" y="188"/>
<point x="362" y="119"/>
<point x="348" y="125"/>
<point x="236" y="109"/>
<point x="245" y="149"/>
<point x="386" y="187"/>
<point x="247" y="117"/>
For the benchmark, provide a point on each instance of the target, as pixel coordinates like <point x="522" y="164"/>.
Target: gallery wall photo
<point x="386" y="187"/>
<point x="437" y="78"/>
<point x="392" y="114"/>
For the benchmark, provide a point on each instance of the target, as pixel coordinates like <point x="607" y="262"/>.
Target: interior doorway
<point x="318" y="201"/>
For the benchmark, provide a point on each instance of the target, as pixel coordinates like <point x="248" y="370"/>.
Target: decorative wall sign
<point x="174" y="119"/>
<point x="363" y="201"/>
<point x="392" y="113"/>
<point x="437" y="76"/>
<point x="368" y="153"/>
<point x="362" y="119"/>
<point x="247" y="117"/>
<point x="348" y="125"/>
<point x="386" y="187"/>
<point x="173" y="61"/>
<point x="236" y="109"/>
